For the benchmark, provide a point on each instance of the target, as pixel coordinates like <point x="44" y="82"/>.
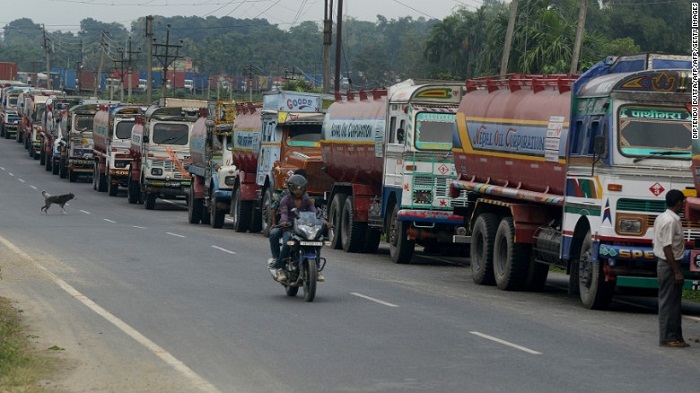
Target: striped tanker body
<point x="572" y="172"/>
<point x="389" y="153"/>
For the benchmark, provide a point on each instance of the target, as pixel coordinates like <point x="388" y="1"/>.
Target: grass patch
<point x="21" y="368"/>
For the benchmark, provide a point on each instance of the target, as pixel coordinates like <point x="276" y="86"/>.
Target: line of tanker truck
<point x="532" y="171"/>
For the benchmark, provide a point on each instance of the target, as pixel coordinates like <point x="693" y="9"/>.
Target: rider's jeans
<point x="275" y="235"/>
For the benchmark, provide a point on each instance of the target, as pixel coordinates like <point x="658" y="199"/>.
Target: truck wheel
<point x="112" y="188"/>
<point x="266" y="212"/>
<point x="595" y="292"/>
<point x="481" y="251"/>
<point x="48" y="161"/>
<point x="150" y="200"/>
<point x="95" y="175"/>
<point x="352" y="233"/>
<point x="132" y="191"/>
<point x="256" y="220"/>
<point x="335" y="212"/>
<point x="400" y="248"/>
<point x="102" y="183"/>
<point x="42" y="156"/>
<point x="63" y="169"/>
<point x="72" y="177"/>
<point x="194" y="207"/>
<point x="55" y="166"/>
<point x="240" y="212"/>
<point x="510" y="260"/>
<point x="216" y="219"/>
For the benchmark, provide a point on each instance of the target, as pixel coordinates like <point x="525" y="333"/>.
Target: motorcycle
<point x="305" y="259"/>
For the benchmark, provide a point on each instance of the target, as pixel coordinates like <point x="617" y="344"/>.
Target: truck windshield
<point x="304" y="135"/>
<point x="13" y="101"/>
<point x="647" y="130"/>
<point x="40" y="109"/>
<point x="170" y="133"/>
<point x="123" y="129"/>
<point x="434" y="130"/>
<point x="84" y="123"/>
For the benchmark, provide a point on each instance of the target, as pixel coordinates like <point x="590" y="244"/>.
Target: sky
<point x="65" y="15"/>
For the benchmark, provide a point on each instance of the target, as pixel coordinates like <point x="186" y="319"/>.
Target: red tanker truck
<point x="112" y="140"/>
<point x="389" y="153"/>
<point x="245" y="150"/>
<point x="572" y="173"/>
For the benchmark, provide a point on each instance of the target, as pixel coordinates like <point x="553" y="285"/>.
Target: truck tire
<point x="42" y="156"/>
<point x="132" y="191"/>
<point x="511" y="260"/>
<point x="240" y="211"/>
<point x="352" y="233"/>
<point x="95" y="176"/>
<point x="256" y="220"/>
<point x="595" y="292"/>
<point x="72" y="176"/>
<point x="63" y="169"/>
<point x="216" y="216"/>
<point x="335" y="213"/>
<point x="150" y="201"/>
<point x="102" y="183"/>
<point x="112" y="188"/>
<point x="265" y="211"/>
<point x="481" y="251"/>
<point x="55" y="166"/>
<point x="400" y="248"/>
<point x="2" y="131"/>
<point x="194" y="207"/>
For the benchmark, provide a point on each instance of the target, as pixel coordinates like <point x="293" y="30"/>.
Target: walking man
<point x="669" y="249"/>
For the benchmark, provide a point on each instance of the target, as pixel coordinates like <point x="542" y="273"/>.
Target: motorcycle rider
<point x="297" y="198"/>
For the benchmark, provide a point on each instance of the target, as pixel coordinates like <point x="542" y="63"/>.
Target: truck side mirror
<point x="400" y="135"/>
<point x="145" y="139"/>
<point x="599" y="145"/>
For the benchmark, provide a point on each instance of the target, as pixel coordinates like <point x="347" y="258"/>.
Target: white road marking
<point x="504" y="342"/>
<point x="223" y="249"/>
<point x="113" y="222"/>
<point x="86" y="212"/>
<point x="11" y="174"/>
<point x="21" y="180"/>
<point x="34" y="187"/>
<point x="154" y="348"/>
<point x="373" y="299"/>
<point x="3" y="168"/>
<point x="174" y="234"/>
<point x="136" y="226"/>
<point x="694" y="318"/>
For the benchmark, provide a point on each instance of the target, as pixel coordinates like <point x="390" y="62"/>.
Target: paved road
<point x="195" y="306"/>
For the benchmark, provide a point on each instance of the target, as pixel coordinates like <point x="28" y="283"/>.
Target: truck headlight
<point x="157" y="171"/>
<point x="230" y="180"/>
<point x="630" y="225"/>
<point x="423" y="196"/>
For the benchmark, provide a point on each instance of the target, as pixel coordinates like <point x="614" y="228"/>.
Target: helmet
<point x="297" y="185"/>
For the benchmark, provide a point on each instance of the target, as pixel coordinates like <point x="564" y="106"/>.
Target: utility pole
<point x="250" y="85"/>
<point x="47" y="49"/>
<point x="338" y="44"/>
<point x="129" y="67"/>
<point x="105" y="46"/>
<point x="509" y="37"/>
<point x="327" y="41"/>
<point x="149" y="59"/>
<point x="166" y="59"/>
<point x="579" y="36"/>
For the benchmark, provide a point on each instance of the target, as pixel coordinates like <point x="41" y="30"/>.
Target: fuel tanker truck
<point x="389" y="153"/>
<point x="160" y="153"/>
<point x="112" y="140"/>
<point x="213" y="174"/>
<point x="270" y="142"/>
<point x="572" y="173"/>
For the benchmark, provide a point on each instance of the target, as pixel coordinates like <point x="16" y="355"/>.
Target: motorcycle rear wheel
<point x="310" y="273"/>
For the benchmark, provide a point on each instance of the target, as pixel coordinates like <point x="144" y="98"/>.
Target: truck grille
<point x="440" y="185"/>
<point x="641" y="205"/>
<point x="168" y="167"/>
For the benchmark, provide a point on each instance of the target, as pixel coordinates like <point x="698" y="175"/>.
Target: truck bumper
<point x="223" y="195"/>
<point x="430" y="216"/>
<point x="652" y="282"/>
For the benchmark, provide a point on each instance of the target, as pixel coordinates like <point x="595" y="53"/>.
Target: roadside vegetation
<point x="22" y="368"/>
